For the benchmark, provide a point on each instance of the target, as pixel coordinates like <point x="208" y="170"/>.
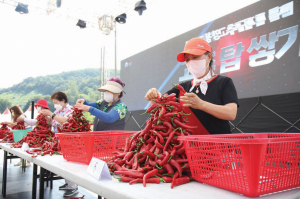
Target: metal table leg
<point x="42" y="176"/>
<point x="4" y="177"/>
<point x="34" y="179"/>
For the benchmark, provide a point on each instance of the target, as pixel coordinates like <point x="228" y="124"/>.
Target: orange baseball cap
<point x="195" y="46"/>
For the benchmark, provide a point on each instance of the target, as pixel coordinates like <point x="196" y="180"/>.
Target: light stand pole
<point x="115" y="48"/>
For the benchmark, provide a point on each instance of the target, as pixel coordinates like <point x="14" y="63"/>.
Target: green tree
<point x="72" y="92"/>
<point x="3" y="104"/>
<point x="89" y="117"/>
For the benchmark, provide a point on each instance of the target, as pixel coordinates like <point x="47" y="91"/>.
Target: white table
<point x="113" y="189"/>
<point x="17" y="153"/>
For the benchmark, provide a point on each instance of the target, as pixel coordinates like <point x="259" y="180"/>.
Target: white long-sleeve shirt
<point x="30" y="122"/>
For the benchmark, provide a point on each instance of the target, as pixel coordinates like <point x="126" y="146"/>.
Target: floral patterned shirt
<point x="65" y="112"/>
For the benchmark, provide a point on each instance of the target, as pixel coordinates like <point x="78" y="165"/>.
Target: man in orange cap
<point x="211" y="99"/>
<point x="40" y="105"/>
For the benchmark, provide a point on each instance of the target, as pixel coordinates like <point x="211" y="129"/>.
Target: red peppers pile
<point x="42" y="138"/>
<point x="76" y="123"/>
<point x="4" y="127"/>
<point x="19" y="126"/>
<point x="154" y="154"/>
<point x="5" y="133"/>
<point x="9" y="138"/>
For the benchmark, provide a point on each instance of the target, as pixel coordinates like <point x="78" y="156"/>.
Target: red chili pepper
<point x="175" y="104"/>
<point x="178" y="122"/>
<point x="150" y="180"/>
<point x="179" y="160"/>
<point x="177" y="166"/>
<point x="162" y="111"/>
<point x="130" y="173"/>
<point x="159" y="127"/>
<point x="179" y="145"/>
<point x="158" y="144"/>
<point x="127" y="141"/>
<point x="119" y="161"/>
<point x="121" y="155"/>
<point x="180" y="151"/>
<point x="125" y="179"/>
<point x="135" y="162"/>
<point x="148" y="153"/>
<point x="148" y="175"/>
<point x="150" y="140"/>
<point x="167" y="179"/>
<point x="166" y="158"/>
<point x="153" y="106"/>
<point x="128" y="155"/>
<point x="180" y="181"/>
<point x="169" y="139"/>
<point x="179" y="87"/>
<point x="185" y="166"/>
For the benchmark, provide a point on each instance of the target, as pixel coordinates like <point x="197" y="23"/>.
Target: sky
<point x="38" y="44"/>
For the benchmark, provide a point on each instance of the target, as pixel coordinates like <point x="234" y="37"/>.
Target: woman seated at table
<point x="16" y="114"/>
<point x="61" y="114"/>
<point x="110" y="113"/>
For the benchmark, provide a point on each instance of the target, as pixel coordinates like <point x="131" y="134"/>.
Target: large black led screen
<point x="257" y="46"/>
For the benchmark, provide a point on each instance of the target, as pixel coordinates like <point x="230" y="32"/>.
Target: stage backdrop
<point x="257" y="46"/>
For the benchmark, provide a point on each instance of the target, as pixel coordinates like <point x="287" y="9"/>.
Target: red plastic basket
<point x="81" y="147"/>
<point x="250" y="164"/>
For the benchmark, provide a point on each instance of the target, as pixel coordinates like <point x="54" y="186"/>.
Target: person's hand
<point x="152" y="94"/>
<point x="192" y="100"/>
<point x="20" y="119"/>
<point x="46" y="112"/>
<point x="82" y="107"/>
<point x="80" y="101"/>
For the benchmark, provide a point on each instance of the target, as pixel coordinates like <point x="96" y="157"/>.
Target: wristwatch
<point x="53" y="115"/>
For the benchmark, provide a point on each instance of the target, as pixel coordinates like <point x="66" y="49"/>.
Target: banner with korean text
<point x="257" y="46"/>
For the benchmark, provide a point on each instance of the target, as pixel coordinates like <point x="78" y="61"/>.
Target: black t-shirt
<point x="220" y="91"/>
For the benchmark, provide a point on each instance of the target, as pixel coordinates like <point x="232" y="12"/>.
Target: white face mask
<point x="38" y="109"/>
<point x="197" y="67"/>
<point x="58" y="107"/>
<point x="108" y="97"/>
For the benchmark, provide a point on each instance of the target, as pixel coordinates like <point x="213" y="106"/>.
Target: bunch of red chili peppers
<point x="9" y="138"/>
<point x="41" y="138"/>
<point x="155" y="154"/>
<point x="6" y="134"/>
<point x="76" y="123"/>
<point x="19" y="126"/>
<point x="4" y="127"/>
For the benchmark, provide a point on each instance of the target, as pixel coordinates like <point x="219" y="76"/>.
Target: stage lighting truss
<point x="106" y="24"/>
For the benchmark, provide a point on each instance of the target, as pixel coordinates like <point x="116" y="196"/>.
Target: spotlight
<point x="58" y="3"/>
<point x="121" y="18"/>
<point x="140" y="6"/>
<point x="22" y="8"/>
<point x="81" y="23"/>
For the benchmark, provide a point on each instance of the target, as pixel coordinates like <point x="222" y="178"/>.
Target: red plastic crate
<point x="251" y="164"/>
<point x="81" y="147"/>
